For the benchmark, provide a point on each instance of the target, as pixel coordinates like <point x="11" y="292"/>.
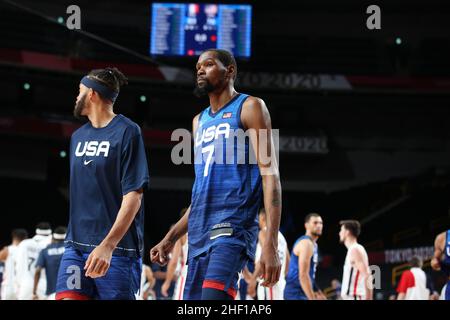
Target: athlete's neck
<point x="350" y="242"/>
<point x="15" y="242"/>
<point x="312" y="236"/>
<point x="101" y="117"/>
<point x="218" y="100"/>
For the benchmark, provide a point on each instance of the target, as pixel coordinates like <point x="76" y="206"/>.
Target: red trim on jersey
<point x="71" y="295"/>
<point x="212" y="284"/>
<point x="181" y="288"/>
<point x="406" y="281"/>
<point x="355" y="286"/>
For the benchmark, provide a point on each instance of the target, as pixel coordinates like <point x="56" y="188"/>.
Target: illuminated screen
<point x="188" y="29"/>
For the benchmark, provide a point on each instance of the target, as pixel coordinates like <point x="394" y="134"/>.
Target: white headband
<point x="59" y="236"/>
<point x="43" y="232"/>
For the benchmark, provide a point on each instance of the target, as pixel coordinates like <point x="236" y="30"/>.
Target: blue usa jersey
<point x="49" y="259"/>
<point x="106" y="164"/>
<point x="227" y="192"/>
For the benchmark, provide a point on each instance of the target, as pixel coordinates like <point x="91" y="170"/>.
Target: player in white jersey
<point x="25" y="262"/>
<point x="7" y="254"/>
<point x="177" y="268"/>
<point x="147" y="282"/>
<point x="357" y="278"/>
<point x="275" y="292"/>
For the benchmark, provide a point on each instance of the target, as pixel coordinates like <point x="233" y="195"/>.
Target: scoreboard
<point x="187" y="29"/>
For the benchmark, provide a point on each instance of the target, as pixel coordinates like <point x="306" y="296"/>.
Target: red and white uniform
<point x="353" y="286"/>
<point x="277" y="291"/>
<point x="9" y="289"/>
<point x="181" y="270"/>
<point x="413" y="284"/>
<point x="25" y="266"/>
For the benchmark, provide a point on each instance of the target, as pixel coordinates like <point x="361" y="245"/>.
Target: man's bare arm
<point x="363" y="267"/>
<point x="256" y="118"/>
<point x="305" y="252"/>
<point x="439" y="247"/>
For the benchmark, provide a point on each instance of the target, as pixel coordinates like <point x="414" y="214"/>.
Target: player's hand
<point x="251" y="288"/>
<point x="270" y="266"/>
<point x="98" y="262"/>
<point x="319" y="296"/>
<point x="165" y="288"/>
<point x="435" y="264"/>
<point x="159" y="253"/>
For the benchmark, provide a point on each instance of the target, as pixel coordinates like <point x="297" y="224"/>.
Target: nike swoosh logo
<point x="87" y="162"/>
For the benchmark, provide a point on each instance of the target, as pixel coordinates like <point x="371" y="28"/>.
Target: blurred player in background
<point x="357" y="277"/>
<point x="147" y="283"/>
<point x="277" y="291"/>
<point x="25" y="262"/>
<point x="300" y="280"/>
<point x="441" y="259"/>
<point x="413" y="282"/>
<point x="49" y="259"/>
<point x="7" y="255"/>
<point x="177" y="267"/>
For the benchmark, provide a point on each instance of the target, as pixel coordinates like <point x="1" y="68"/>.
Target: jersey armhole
<point x="239" y="111"/>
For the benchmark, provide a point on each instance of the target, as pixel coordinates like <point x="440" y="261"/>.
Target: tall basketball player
<point x="441" y="259"/>
<point x="357" y="278"/>
<point x="222" y="218"/>
<point x="7" y="255"/>
<point x="300" y="280"/>
<point x="108" y="173"/>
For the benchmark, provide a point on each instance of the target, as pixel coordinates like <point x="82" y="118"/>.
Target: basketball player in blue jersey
<point x="441" y="259"/>
<point x="222" y="219"/>
<point x="300" y="280"/>
<point x="108" y="172"/>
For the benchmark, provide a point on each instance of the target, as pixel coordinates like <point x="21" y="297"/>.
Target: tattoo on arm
<point x="276" y="199"/>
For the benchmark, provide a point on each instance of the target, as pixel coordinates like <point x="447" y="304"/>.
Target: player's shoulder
<point x="253" y="102"/>
<point x="197" y="116"/>
<point x="254" y="108"/>
<point x="358" y="250"/>
<point x="128" y="123"/>
<point x="281" y="237"/>
<point x="304" y="241"/>
<point x="441" y="237"/>
<point x="25" y="243"/>
<point x="80" y="130"/>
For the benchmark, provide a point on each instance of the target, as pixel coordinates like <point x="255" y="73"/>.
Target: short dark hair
<point x="311" y="215"/>
<point x="60" y="230"/>
<point x="353" y="226"/>
<point x="111" y="77"/>
<point x="226" y="57"/>
<point x="43" y="226"/>
<point x="19" y="234"/>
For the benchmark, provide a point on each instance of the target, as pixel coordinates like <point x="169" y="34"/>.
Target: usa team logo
<point x="92" y="149"/>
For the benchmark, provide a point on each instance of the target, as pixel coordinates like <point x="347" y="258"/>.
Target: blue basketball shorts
<point x="121" y="282"/>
